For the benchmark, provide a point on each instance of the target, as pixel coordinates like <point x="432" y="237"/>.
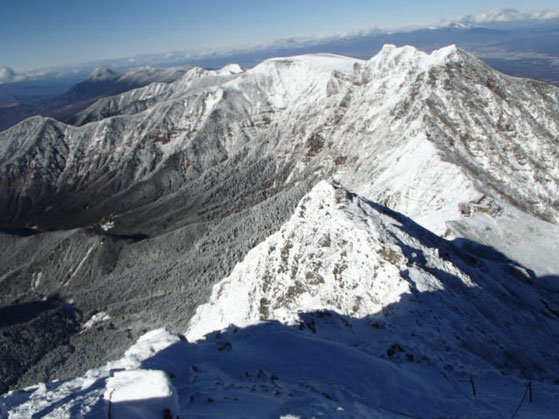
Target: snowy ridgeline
<point x="419" y="132"/>
<point x="349" y="310"/>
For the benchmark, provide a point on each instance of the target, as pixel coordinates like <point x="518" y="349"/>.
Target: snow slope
<point x="121" y="382"/>
<point x="449" y="126"/>
<point x="350" y="310"/>
<point x="419" y="132"/>
<point x="193" y="174"/>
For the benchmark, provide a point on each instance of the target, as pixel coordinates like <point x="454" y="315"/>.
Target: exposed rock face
<point x="193" y="174"/>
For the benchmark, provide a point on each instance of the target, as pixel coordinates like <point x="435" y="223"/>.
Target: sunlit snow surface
<point x="419" y="133"/>
<point x="350" y="309"/>
<point x="386" y="319"/>
<point x="335" y="254"/>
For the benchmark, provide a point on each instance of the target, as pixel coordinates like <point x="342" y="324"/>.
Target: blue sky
<point x="42" y="33"/>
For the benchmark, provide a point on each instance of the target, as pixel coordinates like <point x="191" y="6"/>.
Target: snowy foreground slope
<point x="349" y="310"/>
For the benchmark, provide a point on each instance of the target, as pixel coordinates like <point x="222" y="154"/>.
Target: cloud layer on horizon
<point x="495" y="16"/>
<point x="503" y="14"/>
<point x="6" y="74"/>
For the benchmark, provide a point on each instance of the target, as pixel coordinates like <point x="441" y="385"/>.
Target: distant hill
<point x="102" y="82"/>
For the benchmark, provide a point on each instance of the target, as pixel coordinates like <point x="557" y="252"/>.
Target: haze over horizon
<point x="61" y="32"/>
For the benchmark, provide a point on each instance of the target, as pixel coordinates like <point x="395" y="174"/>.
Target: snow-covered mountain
<point x="420" y="133"/>
<point x="374" y="316"/>
<point x="134" y="213"/>
<point x="102" y="74"/>
<point x="101" y="82"/>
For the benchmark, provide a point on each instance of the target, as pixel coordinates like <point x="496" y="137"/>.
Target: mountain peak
<point x="102" y="74"/>
<point x="232" y="68"/>
<point x="319" y="62"/>
<point x="391" y="55"/>
<point x="316" y="261"/>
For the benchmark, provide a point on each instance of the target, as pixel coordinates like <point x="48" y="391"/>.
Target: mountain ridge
<point x="456" y="323"/>
<point x="101" y="82"/>
<point x="204" y="110"/>
<point x="160" y="191"/>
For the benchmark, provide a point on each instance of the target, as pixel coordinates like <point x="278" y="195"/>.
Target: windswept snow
<point x="141" y="394"/>
<point x="294" y="81"/>
<point x="316" y="63"/>
<point x="230" y="69"/>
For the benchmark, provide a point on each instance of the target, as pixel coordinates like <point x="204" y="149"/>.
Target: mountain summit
<point x="102" y="74"/>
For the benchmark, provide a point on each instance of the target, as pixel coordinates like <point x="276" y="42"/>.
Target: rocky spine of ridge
<point x="342" y="253"/>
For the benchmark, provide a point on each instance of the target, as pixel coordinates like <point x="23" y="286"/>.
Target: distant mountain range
<point x="101" y="82"/>
<point x="515" y="43"/>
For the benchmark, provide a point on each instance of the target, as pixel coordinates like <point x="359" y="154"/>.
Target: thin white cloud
<point x="6" y="75"/>
<point x="174" y="58"/>
<point x="510" y="15"/>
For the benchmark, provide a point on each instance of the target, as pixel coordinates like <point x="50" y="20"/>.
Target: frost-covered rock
<point x="337" y="252"/>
